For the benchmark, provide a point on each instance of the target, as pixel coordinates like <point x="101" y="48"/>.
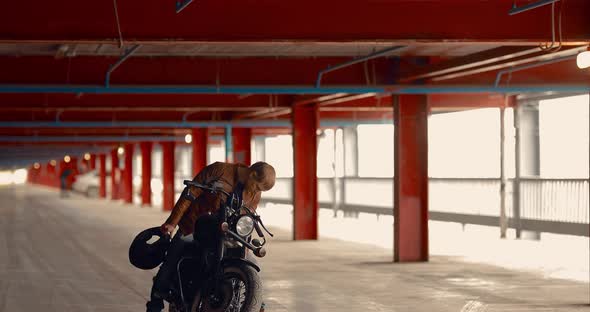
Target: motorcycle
<point x="217" y="271"/>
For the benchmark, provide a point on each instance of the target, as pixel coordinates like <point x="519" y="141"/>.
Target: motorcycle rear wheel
<point x="242" y="292"/>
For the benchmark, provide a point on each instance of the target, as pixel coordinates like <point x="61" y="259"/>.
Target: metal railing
<point x="546" y="205"/>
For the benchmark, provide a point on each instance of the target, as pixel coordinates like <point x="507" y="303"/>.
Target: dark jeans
<point x="162" y="280"/>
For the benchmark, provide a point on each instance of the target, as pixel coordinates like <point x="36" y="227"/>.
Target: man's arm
<point x="256" y="200"/>
<point x="208" y="174"/>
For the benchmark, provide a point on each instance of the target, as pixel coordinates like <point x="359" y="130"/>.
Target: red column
<point x="92" y="161"/>
<point x="200" y="141"/>
<point x="241" y="139"/>
<point x="146" y="173"/>
<point x="411" y="178"/>
<point x="30" y="175"/>
<point x="168" y="175"/>
<point x="51" y="178"/>
<point x="74" y="166"/>
<point x="114" y="174"/>
<point x="127" y="178"/>
<point x="102" y="176"/>
<point x="305" y="198"/>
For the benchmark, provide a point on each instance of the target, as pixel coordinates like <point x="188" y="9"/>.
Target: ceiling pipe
<point x="182" y="4"/>
<point x="355" y="61"/>
<point x="165" y="124"/>
<point x="145" y="124"/>
<point x="458" y="69"/>
<point x="516" y="10"/>
<point x="527" y="66"/>
<point x="510" y="63"/>
<point x="124" y="57"/>
<point x="106" y="108"/>
<point x="353" y="89"/>
<point x="88" y="139"/>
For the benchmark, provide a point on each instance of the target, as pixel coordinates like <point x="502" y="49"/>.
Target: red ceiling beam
<point x="463" y="101"/>
<point x="244" y="71"/>
<point x="183" y="71"/>
<point x="330" y="20"/>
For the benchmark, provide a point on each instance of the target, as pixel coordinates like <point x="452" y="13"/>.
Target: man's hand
<point x="167" y="228"/>
<point x="217" y="185"/>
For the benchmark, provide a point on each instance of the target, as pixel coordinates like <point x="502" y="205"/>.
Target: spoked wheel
<point x="241" y="291"/>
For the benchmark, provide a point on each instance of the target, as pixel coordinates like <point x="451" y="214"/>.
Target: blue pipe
<point x="388" y="89"/>
<point x="182" y="4"/>
<point x="515" y="10"/>
<point x="229" y="152"/>
<point x="355" y="61"/>
<point x="533" y="65"/>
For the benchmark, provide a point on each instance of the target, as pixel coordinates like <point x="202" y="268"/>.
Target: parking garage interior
<point x="429" y="155"/>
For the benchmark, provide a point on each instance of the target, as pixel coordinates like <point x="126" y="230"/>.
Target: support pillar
<point x="128" y="174"/>
<point x="241" y="138"/>
<point x="350" y="138"/>
<point x="199" y="144"/>
<point x="305" y="184"/>
<point x="51" y="177"/>
<point x="92" y="161"/>
<point x="260" y="148"/>
<point x="102" y="176"/>
<point x="168" y="175"/>
<point x="229" y="146"/>
<point x="503" y="218"/>
<point x="30" y="175"/>
<point x="411" y="178"/>
<point x="146" y="173"/>
<point x="527" y="158"/>
<point x="114" y="174"/>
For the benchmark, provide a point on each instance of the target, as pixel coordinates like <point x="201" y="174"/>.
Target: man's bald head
<point x="264" y="175"/>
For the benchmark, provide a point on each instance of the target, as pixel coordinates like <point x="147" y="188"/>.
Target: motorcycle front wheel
<point x="241" y="291"/>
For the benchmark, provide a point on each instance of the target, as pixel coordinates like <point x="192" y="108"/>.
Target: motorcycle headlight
<point x="245" y="226"/>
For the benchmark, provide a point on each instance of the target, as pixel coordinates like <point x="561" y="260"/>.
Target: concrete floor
<point x="71" y="255"/>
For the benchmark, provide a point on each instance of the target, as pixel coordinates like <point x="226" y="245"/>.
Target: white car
<point x="88" y="183"/>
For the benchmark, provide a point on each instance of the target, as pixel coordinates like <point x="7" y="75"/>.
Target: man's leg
<point x="163" y="278"/>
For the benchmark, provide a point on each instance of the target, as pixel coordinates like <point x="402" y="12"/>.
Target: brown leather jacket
<point x="225" y="175"/>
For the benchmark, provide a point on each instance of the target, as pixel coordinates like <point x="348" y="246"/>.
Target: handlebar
<point x="215" y="190"/>
<point x="205" y="187"/>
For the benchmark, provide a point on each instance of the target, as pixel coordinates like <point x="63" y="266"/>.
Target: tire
<point x="92" y="192"/>
<point x="253" y="291"/>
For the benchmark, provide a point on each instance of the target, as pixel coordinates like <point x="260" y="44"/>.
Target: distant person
<point x="193" y="203"/>
<point x="63" y="178"/>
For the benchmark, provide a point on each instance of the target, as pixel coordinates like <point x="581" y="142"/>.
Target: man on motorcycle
<point x="193" y="203"/>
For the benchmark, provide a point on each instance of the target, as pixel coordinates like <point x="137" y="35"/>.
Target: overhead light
<point x="120" y="150"/>
<point x="36" y="165"/>
<point x="67" y="158"/>
<point x="188" y="138"/>
<point x="53" y="162"/>
<point x="87" y="156"/>
<point x="583" y="59"/>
